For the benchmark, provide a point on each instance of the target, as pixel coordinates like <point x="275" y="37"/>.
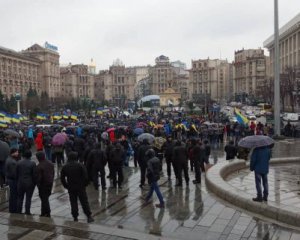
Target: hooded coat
<point x="39" y="142"/>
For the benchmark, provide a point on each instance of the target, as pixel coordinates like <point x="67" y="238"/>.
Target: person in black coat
<point x="74" y="177"/>
<point x="198" y="155"/>
<point x="142" y="160"/>
<point x="153" y="175"/>
<point x="78" y="147"/>
<point x="230" y="150"/>
<point x="26" y="173"/>
<point x="11" y="178"/>
<point x="45" y="178"/>
<point x="117" y="157"/>
<point x="180" y="159"/>
<point x="168" y="152"/>
<point x="96" y="162"/>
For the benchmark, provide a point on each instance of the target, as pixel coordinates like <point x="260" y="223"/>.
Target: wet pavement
<point x="191" y="212"/>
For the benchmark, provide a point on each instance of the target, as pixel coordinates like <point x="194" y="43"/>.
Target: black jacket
<point x="153" y="169"/>
<point x="26" y="173"/>
<point x="142" y="159"/>
<point x="231" y="151"/>
<point x="11" y="168"/>
<point x="74" y="176"/>
<point x="198" y="153"/>
<point x="96" y="159"/>
<point x="180" y="155"/>
<point x="168" y="148"/>
<point x="117" y="156"/>
<point x="78" y="145"/>
<point x="45" y="173"/>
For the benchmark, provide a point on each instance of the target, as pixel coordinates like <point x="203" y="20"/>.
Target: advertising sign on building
<point x="51" y="47"/>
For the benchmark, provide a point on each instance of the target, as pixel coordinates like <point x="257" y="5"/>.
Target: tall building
<point x="162" y="76"/>
<point x="104" y="86"/>
<point x="76" y="82"/>
<point x="209" y="78"/>
<point x="142" y="88"/>
<point x="92" y="67"/>
<point x="49" y="67"/>
<point x="18" y="73"/>
<point x="250" y="71"/>
<point x="231" y="83"/>
<point x="289" y="45"/>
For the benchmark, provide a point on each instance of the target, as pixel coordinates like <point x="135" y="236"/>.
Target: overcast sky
<point x="137" y="31"/>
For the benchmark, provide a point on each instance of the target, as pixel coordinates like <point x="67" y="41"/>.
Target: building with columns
<point x="250" y="71"/>
<point x="289" y="60"/>
<point x="209" y="78"/>
<point x="289" y="45"/>
<point x="76" y="82"/>
<point x="49" y="67"/>
<point x="18" y="73"/>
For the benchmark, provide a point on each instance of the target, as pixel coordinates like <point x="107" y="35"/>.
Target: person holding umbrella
<point x="259" y="162"/>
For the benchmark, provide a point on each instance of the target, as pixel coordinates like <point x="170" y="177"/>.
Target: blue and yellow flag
<point x="3" y="124"/>
<point x="240" y="117"/>
<point x="74" y="116"/>
<point x="15" y="118"/>
<point x="7" y="118"/>
<point x="2" y="114"/>
<point x="41" y="116"/>
<point x="56" y="116"/>
<point x="65" y="115"/>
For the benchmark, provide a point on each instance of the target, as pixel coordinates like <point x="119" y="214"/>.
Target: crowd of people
<point x="100" y="151"/>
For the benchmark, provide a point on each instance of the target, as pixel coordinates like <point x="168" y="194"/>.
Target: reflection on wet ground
<point x="191" y="211"/>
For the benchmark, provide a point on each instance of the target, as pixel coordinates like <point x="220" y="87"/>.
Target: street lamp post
<point x="276" y="72"/>
<point x="18" y="99"/>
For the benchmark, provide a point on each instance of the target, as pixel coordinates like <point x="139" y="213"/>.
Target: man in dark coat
<point x="168" y="148"/>
<point x="47" y="145"/>
<point x="142" y="160"/>
<point x="207" y="154"/>
<point x="11" y="178"/>
<point x="153" y="175"/>
<point x="180" y="159"/>
<point x="74" y="177"/>
<point x="117" y="157"/>
<point x="198" y="155"/>
<point x="78" y="147"/>
<point x="26" y="181"/>
<point x="96" y="164"/>
<point x="230" y="150"/>
<point x="45" y="178"/>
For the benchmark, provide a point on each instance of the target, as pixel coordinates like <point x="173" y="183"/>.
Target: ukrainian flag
<point x="24" y="118"/>
<point x="3" y="124"/>
<point x="15" y="118"/>
<point x="2" y="114"/>
<point x="57" y="116"/>
<point x="40" y="116"/>
<point x="65" y="115"/>
<point x="7" y="118"/>
<point x="74" y="116"/>
<point x="240" y="117"/>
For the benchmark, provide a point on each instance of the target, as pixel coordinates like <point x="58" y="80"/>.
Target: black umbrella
<point x="12" y="133"/>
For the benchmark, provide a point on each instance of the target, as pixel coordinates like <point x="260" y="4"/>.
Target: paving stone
<point x="36" y="235"/>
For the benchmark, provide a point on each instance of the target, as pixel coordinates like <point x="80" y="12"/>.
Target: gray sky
<point x="137" y="31"/>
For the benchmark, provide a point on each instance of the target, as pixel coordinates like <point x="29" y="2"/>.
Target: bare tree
<point x="266" y="90"/>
